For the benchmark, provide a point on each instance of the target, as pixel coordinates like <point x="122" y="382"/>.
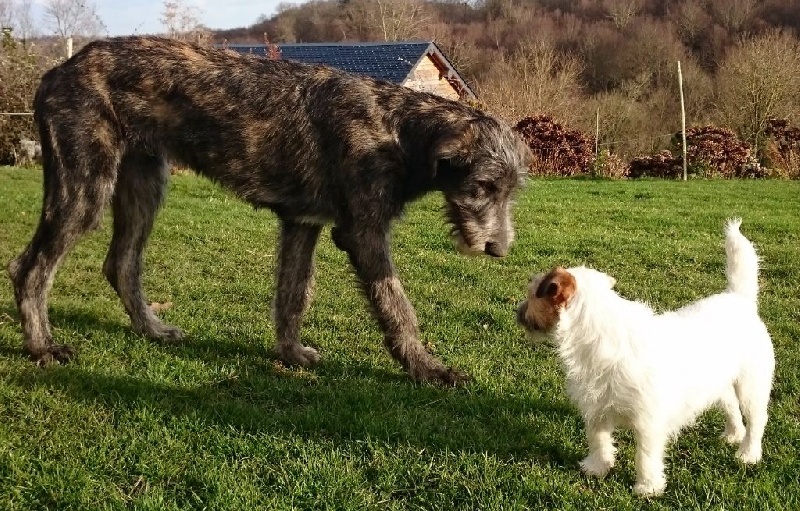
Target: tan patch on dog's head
<point x="547" y="295"/>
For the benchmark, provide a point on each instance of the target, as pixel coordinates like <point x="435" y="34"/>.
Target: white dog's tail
<point x="742" y="266"/>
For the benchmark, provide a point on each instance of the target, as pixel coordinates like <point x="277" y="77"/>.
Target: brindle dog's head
<point x="479" y="167"/>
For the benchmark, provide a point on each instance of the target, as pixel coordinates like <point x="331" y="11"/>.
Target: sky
<point x="126" y="17"/>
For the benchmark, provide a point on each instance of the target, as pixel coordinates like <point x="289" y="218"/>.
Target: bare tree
<point x="535" y="79"/>
<point x="758" y="81"/>
<point x="391" y="20"/>
<point x="499" y="9"/>
<point x="6" y="13"/>
<point x="622" y="11"/>
<point x="71" y="18"/>
<point x="690" y="19"/>
<point x="24" y="24"/>
<point x="455" y="45"/>
<point x="182" y="22"/>
<point x="734" y="14"/>
<point x="284" y="29"/>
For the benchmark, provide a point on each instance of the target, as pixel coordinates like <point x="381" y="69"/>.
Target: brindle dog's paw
<point x="161" y="332"/>
<point x="54" y="353"/>
<point x="297" y="355"/>
<point x="445" y="376"/>
<point x="170" y="333"/>
<point x="455" y="377"/>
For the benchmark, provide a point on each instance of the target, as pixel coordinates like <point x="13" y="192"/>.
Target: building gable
<point x="397" y="62"/>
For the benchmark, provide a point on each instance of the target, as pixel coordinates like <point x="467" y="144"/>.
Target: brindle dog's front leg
<point x="369" y="253"/>
<point x="295" y="283"/>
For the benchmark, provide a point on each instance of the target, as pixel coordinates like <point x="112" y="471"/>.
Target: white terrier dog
<point x="655" y="373"/>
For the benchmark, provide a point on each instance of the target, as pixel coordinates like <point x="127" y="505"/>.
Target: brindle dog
<point x="313" y="144"/>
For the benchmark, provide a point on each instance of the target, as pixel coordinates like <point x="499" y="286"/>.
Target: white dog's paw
<point x="596" y="466"/>
<point x="749" y="456"/>
<point x="650" y="487"/>
<point x="733" y="436"/>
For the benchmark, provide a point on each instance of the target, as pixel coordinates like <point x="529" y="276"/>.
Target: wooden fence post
<point x="683" y="120"/>
<point x="596" y="132"/>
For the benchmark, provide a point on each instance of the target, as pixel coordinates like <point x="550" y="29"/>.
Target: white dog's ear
<point x="611" y="281"/>
<point x="557" y="287"/>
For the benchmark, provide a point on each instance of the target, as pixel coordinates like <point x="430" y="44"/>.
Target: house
<point x="419" y="65"/>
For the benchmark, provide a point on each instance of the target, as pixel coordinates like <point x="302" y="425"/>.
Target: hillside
<point x="571" y="58"/>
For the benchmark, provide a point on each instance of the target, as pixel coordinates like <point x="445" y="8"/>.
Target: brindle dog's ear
<point x="452" y="152"/>
<point x="456" y="144"/>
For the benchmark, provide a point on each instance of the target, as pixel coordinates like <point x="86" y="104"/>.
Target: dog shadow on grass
<point x="341" y="401"/>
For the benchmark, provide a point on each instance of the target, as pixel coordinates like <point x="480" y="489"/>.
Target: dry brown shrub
<point x="783" y="164"/>
<point x="609" y="165"/>
<point x="662" y="165"/>
<point x="558" y="151"/>
<point x="717" y="152"/>
<point x="782" y="152"/>
<point x="19" y="76"/>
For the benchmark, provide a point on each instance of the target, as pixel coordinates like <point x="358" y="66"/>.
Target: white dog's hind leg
<point x="734" y="427"/>
<point x="601" y="447"/>
<point x="650" y="446"/>
<point x="753" y="398"/>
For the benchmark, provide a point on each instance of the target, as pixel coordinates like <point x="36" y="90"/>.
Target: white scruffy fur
<point x="655" y="373"/>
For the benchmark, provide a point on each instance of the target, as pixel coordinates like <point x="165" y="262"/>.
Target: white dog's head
<point x="549" y="294"/>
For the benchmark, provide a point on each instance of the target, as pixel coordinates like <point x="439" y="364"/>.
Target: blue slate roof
<point x="384" y="61"/>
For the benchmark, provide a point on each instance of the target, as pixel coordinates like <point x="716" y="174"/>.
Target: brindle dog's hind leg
<point x="78" y="183"/>
<point x="140" y="191"/>
<point x="295" y="282"/>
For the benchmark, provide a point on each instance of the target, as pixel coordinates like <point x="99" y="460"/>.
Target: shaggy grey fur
<point x="313" y="144"/>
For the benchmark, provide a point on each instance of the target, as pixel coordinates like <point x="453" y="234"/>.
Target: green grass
<point x="215" y="423"/>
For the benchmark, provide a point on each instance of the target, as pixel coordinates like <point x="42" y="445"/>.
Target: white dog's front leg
<point x="601" y="447"/>
<point x="650" y="446"/>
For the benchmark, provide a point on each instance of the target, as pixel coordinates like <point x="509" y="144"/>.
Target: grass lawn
<point x="215" y="423"/>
